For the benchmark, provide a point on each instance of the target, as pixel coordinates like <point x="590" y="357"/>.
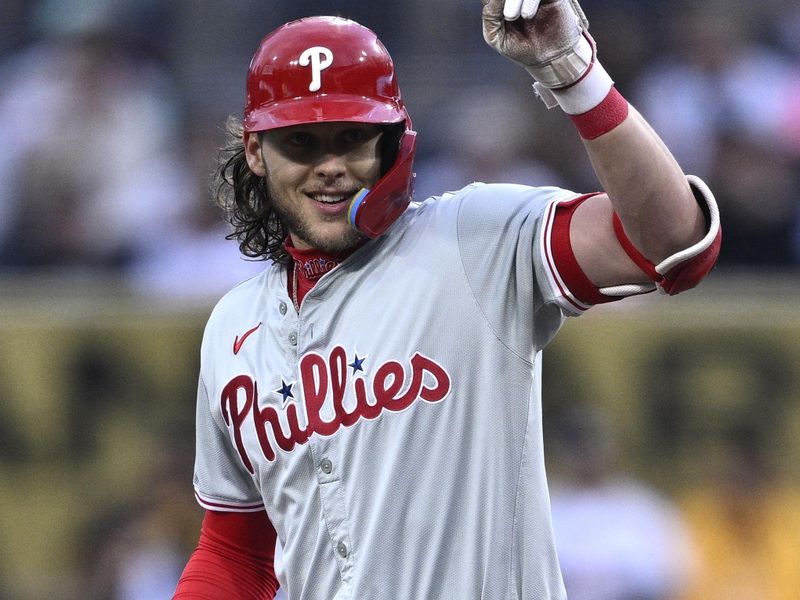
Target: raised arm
<point x="666" y="232"/>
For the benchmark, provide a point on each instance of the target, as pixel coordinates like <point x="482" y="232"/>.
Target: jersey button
<point x="326" y="466"/>
<point x="293" y="339"/>
<point x="341" y="549"/>
<point x="283" y="308"/>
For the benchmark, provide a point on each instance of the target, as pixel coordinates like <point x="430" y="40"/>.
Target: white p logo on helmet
<point x="320" y="58"/>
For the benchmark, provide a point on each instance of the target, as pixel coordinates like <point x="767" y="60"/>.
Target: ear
<point x="252" y="152"/>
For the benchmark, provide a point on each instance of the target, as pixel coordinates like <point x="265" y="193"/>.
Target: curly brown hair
<point x="244" y="196"/>
<point x="245" y="199"/>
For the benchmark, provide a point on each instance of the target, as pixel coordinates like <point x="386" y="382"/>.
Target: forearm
<point x="648" y="191"/>
<point x="648" y="226"/>
<point x="647" y="188"/>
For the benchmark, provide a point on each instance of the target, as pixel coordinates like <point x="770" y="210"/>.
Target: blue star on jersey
<point x="285" y="391"/>
<point x="356" y="364"/>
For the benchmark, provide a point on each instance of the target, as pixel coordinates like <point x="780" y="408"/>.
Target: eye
<point x="299" y="139"/>
<point x="354" y="136"/>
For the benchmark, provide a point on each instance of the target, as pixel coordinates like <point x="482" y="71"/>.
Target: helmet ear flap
<point x="390" y="145"/>
<point x="372" y="211"/>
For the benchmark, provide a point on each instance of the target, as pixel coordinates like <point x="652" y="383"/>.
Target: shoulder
<point x="486" y="199"/>
<point x="240" y="307"/>
<point x="476" y="213"/>
<point x="242" y="293"/>
<point x="511" y="197"/>
<point x="499" y="207"/>
<point x="494" y="198"/>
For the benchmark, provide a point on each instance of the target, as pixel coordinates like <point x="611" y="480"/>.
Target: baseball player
<point x="372" y="399"/>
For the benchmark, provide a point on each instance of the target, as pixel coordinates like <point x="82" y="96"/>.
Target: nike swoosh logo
<point x="237" y="342"/>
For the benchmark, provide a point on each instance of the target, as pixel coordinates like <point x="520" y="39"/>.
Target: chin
<point x="340" y="240"/>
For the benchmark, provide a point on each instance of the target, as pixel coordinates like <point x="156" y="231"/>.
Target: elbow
<point x="683" y="249"/>
<point x="698" y="251"/>
<point x="683" y="222"/>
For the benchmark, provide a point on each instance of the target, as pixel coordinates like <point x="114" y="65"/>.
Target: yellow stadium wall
<point x="95" y="393"/>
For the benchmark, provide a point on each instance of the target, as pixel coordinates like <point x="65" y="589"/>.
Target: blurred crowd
<point x="111" y="111"/>
<point x="110" y="115"/>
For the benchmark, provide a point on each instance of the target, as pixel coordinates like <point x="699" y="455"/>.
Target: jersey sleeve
<point x="500" y="231"/>
<point x="515" y="247"/>
<point x="221" y="482"/>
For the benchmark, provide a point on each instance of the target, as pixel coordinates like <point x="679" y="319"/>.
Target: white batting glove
<point x="544" y="36"/>
<point x="514" y="9"/>
<point x="549" y="39"/>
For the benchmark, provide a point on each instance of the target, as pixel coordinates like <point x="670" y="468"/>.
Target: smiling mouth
<point x="331" y="198"/>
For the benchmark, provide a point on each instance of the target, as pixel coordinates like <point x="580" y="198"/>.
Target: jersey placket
<point x="334" y="514"/>
<point x="323" y="450"/>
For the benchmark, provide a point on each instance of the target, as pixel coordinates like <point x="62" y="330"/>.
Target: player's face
<point x="312" y="173"/>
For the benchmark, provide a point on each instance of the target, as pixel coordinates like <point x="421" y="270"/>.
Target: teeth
<point x="326" y="199"/>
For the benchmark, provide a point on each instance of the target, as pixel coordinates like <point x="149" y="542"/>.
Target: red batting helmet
<point x="322" y="69"/>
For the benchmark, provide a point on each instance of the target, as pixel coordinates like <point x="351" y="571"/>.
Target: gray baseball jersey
<point x="392" y="429"/>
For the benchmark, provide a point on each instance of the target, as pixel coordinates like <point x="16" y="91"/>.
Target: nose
<point x="330" y="166"/>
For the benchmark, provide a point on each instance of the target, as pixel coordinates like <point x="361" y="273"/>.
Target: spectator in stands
<point x="617" y="538"/>
<point x="727" y="102"/>
<point x="91" y="168"/>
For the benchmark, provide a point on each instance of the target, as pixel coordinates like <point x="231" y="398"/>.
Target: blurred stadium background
<point x="672" y="426"/>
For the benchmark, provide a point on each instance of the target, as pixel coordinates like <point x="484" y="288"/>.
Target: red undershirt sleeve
<point x="233" y="559"/>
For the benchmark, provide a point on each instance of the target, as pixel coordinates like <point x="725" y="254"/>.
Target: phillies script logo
<point x="392" y="389"/>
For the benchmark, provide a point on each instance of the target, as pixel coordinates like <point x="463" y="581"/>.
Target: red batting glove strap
<point x="604" y="117"/>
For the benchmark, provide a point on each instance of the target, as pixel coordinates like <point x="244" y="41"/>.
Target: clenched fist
<point x="544" y="36"/>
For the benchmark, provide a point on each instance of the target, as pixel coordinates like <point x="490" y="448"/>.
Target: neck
<point x="309" y="265"/>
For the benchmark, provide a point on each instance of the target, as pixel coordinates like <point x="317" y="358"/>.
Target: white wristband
<point x="592" y="82"/>
<point x="587" y="93"/>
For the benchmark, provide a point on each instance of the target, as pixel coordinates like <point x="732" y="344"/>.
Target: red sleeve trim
<point x="228" y="506"/>
<point x="574" y="285"/>
<point x="234" y="559"/>
<point x="564" y="297"/>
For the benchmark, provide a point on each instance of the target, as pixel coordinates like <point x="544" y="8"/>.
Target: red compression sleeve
<point x="233" y="559"/>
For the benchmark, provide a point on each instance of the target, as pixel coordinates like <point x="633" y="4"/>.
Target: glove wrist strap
<point x="567" y="69"/>
<point x="575" y="81"/>
<point x="585" y="94"/>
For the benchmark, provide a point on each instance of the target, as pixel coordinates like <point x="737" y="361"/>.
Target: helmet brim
<point x="324" y="108"/>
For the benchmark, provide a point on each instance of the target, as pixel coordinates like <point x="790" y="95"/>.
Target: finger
<point x="493" y="23"/>
<point x="512" y="9"/>
<point x="529" y="8"/>
<point x="581" y="15"/>
<point x="492" y="17"/>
